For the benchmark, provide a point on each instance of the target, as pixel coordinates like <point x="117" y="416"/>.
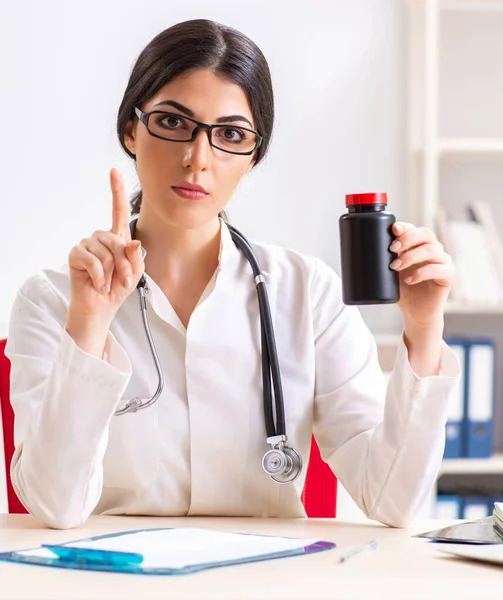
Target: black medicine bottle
<point x="365" y="237"/>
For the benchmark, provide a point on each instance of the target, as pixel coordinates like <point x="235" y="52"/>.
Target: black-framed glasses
<point x="174" y="127"/>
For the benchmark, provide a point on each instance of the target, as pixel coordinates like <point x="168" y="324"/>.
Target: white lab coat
<point x="198" y="449"/>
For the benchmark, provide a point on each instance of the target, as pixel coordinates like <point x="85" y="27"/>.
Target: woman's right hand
<point x="105" y="268"/>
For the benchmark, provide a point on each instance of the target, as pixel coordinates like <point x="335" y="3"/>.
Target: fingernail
<point x="396" y="245"/>
<point x="396" y="263"/>
<point x="128" y="283"/>
<point x="398" y="227"/>
<point x="408" y="279"/>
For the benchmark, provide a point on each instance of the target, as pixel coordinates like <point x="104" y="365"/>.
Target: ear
<point x="129" y="137"/>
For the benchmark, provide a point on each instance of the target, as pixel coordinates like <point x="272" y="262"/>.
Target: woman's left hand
<point x="426" y="274"/>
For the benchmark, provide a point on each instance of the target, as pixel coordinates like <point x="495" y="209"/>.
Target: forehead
<point x="209" y="95"/>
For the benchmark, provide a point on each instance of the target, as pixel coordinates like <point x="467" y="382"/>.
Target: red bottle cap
<point x="356" y="199"/>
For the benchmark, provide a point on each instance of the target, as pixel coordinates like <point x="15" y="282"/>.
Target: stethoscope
<point x="282" y="463"/>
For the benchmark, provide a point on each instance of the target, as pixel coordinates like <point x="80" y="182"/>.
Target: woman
<point x="79" y="351"/>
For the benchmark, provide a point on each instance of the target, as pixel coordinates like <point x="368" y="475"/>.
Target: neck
<point x="173" y="253"/>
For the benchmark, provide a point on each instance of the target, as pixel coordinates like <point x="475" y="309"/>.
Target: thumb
<point x="135" y="257"/>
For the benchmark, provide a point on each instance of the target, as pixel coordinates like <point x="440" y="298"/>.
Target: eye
<point x="234" y="135"/>
<point x="169" y="121"/>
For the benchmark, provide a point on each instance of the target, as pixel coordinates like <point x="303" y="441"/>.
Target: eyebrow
<point x="190" y="113"/>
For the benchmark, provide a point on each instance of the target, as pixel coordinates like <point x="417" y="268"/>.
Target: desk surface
<point x="401" y="567"/>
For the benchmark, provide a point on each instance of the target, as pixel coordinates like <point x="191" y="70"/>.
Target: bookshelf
<point x="470" y="146"/>
<point x="471" y="5"/>
<point x="460" y="308"/>
<point x="489" y="466"/>
<point x="449" y="139"/>
<point x="427" y="146"/>
<point x="447" y="134"/>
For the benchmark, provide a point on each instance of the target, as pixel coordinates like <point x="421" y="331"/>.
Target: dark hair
<point x="200" y="44"/>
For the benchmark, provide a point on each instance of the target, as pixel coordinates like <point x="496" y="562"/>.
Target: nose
<point x="198" y="153"/>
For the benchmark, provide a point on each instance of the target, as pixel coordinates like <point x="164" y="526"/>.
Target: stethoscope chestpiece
<point x="282" y="463"/>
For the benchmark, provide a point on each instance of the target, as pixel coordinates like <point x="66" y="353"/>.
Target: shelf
<point x="492" y="465"/>
<point x="388" y="339"/>
<point x="470" y="145"/>
<point x="471" y="6"/>
<point x="446" y="146"/>
<point x="460" y="308"/>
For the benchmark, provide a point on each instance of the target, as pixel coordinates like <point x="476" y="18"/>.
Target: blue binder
<point x="68" y="556"/>
<point x="449" y="506"/>
<point x="480" y="399"/>
<point x="454" y="429"/>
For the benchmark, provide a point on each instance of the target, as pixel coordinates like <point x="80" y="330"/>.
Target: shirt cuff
<point x="114" y="366"/>
<point x="449" y="364"/>
<point x="410" y="395"/>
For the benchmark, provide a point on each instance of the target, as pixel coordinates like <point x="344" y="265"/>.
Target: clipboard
<point x="71" y="555"/>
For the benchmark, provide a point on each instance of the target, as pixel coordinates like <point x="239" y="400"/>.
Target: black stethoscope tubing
<point x="270" y="363"/>
<point x="283" y="463"/>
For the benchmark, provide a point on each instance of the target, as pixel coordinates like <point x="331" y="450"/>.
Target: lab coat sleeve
<point x="384" y="441"/>
<point x="63" y="401"/>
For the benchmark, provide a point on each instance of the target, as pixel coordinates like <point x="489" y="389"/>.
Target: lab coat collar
<point x="228" y="250"/>
<point x="230" y="255"/>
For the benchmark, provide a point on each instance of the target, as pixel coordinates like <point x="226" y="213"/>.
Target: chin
<point x="191" y="219"/>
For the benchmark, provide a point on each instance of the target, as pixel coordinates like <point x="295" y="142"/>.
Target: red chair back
<point x="319" y="495"/>
<point x="13" y="501"/>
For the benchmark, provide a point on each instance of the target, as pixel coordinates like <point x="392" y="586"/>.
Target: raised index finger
<point x="120" y="206"/>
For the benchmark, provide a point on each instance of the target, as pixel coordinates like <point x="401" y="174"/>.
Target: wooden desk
<point x="402" y="567"/>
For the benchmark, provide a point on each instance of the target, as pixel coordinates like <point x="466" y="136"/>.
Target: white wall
<point x="65" y="65"/>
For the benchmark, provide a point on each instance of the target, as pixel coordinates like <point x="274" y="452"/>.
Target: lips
<point x="190" y="191"/>
<point x="194" y="187"/>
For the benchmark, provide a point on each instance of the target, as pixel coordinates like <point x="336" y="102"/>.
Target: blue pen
<point x="372" y="545"/>
<point x="93" y="556"/>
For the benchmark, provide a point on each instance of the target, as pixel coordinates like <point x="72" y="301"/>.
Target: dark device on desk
<point x="481" y="531"/>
